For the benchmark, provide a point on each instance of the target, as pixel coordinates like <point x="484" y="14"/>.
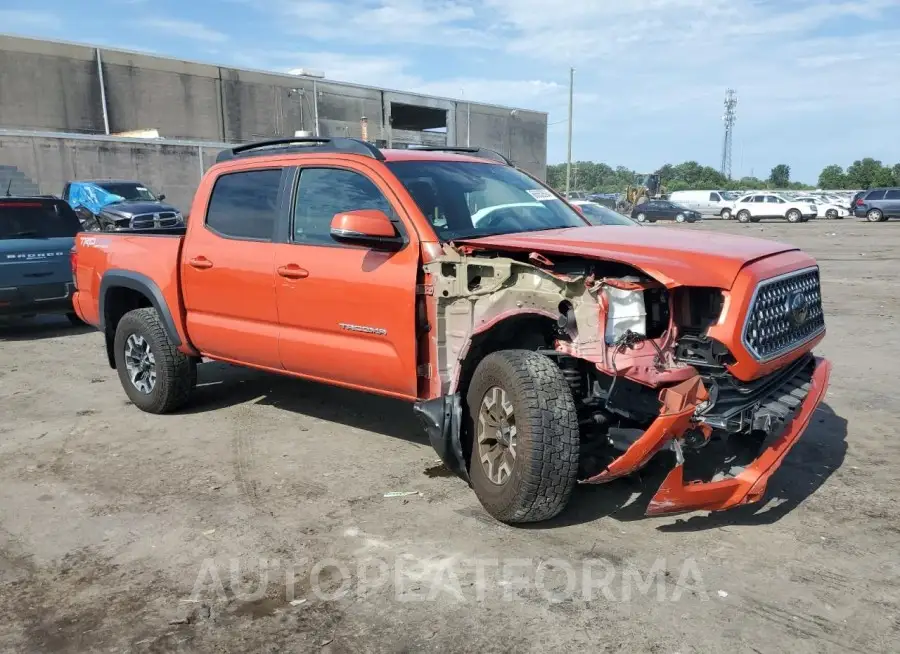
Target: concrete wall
<point x="171" y="168"/>
<point x="53" y="86"/>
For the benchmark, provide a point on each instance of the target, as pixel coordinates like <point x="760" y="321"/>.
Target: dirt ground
<point x="121" y="531"/>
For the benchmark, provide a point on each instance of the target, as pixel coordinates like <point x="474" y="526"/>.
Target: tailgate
<point x="27" y="262"/>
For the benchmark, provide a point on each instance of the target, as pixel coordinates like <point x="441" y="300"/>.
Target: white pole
<point x="569" y="158"/>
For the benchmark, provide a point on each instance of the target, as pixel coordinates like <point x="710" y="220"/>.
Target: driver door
<point x="346" y="312"/>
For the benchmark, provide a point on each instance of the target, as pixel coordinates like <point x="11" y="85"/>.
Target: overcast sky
<point x="817" y="82"/>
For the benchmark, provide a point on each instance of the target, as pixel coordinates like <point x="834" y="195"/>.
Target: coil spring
<point x="573" y="379"/>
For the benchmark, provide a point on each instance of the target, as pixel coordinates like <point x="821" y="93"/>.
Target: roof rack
<point x="482" y="153"/>
<point x="302" y="144"/>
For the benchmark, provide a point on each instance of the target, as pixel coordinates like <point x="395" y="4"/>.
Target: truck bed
<point x="147" y="257"/>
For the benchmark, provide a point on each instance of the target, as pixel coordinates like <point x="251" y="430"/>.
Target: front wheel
<point x="726" y="214"/>
<point x="680" y="218"/>
<point x="831" y="214"/>
<point x="794" y="216"/>
<point x="743" y="216"/>
<point x="641" y="217"/>
<point x="525" y="436"/>
<point x="156" y="377"/>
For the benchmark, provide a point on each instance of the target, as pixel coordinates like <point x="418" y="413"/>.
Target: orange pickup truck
<point x="538" y="351"/>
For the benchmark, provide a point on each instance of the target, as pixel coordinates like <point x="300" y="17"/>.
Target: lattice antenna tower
<point x="728" y="118"/>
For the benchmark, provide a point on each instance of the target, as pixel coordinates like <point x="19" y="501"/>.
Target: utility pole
<point x="569" y="158"/>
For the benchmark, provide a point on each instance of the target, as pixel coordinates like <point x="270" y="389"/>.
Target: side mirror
<point x="161" y="197"/>
<point x="368" y="227"/>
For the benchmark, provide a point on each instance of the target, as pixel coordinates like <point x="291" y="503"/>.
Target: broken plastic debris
<point x="209" y="532"/>
<point x="298" y="602"/>
<point x="722" y="593"/>
<point x="401" y="493"/>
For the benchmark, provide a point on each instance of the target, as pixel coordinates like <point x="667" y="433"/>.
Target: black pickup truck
<point x="117" y="205"/>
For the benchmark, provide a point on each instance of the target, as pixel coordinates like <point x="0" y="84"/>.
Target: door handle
<point x="200" y="263"/>
<point x="293" y="271"/>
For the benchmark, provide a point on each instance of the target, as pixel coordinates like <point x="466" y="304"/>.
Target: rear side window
<point x="875" y="195"/>
<point x="324" y="192"/>
<point x="245" y="205"/>
<point x="893" y="194"/>
<point x="21" y="219"/>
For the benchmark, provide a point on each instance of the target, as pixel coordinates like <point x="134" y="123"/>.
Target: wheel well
<point x="119" y="301"/>
<point x="521" y="332"/>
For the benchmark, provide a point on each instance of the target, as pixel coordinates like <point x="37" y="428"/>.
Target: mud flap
<point x="442" y="420"/>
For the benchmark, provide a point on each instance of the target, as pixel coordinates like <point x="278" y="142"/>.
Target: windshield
<point x="471" y="200"/>
<point x="37" y="219"/>
<point x="131" y="191"/>
<point x="598" y="215"/>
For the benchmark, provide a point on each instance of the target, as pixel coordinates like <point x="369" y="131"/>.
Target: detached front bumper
<point x="675" y="495"/>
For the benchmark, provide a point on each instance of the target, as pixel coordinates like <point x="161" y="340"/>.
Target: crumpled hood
<point x="129" y="209"/>
<point x="675" y="257"/>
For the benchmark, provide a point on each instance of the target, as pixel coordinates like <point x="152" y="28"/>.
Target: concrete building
<point x="46" y="86"/>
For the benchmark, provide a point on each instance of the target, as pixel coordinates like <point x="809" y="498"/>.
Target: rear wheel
<point x="156" y="377"/>
<point x="641" y="217"/>
<point x="743" y="216"/>
<point x="525" y="437"/>
<point x="680" y="218"/>
<point x="794" y="216"/>
<point x="874" y="215"/>
<point x="726" y="214"/>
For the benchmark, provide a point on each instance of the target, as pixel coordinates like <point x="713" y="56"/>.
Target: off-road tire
<point x="874" y="215"/>
<point x="744" y="216"/>
<point x="794" y="216"/>
<point x="176" y="373"/>
<point x="546" y="464"/>
<point x="726" y="214"/>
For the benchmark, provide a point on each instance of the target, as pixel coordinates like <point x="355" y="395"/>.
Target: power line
<point x="729" y="118"/>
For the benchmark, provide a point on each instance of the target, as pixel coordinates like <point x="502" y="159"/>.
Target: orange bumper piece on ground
<point x="675" y="496"/>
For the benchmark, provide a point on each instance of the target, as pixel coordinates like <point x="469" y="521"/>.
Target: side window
<point x="245" y="205"/>
<point x="758" y="198"/>
<point x="875" y="195"/>
<point x="714" y="197"/>
<point x="747" y="199"/>
<point x="324" y="192"/>
<point x="893" y="194"/>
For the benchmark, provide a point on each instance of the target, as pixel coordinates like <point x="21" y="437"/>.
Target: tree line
<point x="861" y="174"/>
<point x="596" y="177"/>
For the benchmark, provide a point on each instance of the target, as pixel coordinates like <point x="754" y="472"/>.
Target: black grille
<point x="151" y="220"/>
<point x="785" y="312"/>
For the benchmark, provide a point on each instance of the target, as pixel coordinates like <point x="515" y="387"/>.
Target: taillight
<point x="73" y="260"/>
<point x="860" y="202"/>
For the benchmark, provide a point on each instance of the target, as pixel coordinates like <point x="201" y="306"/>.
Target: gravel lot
<point x="121" y="531"/>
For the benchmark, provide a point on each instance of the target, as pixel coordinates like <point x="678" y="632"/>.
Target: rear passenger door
<point x="227" y="269"/>
<point x="892" y="203"/>
<point x="347" y="312"/>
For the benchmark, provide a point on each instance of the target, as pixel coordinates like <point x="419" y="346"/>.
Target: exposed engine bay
<point x="643" y="372"/>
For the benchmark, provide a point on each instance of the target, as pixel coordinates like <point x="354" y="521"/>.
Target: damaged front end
<point x="637" y="355"/>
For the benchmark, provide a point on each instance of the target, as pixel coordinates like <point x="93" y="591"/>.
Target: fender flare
<point x="142" y="284"/>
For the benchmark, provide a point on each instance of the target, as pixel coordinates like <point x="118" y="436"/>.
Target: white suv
<point x="755" y="206"/>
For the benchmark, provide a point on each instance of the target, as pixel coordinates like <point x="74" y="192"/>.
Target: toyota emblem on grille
<point x="798" y="308"/>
